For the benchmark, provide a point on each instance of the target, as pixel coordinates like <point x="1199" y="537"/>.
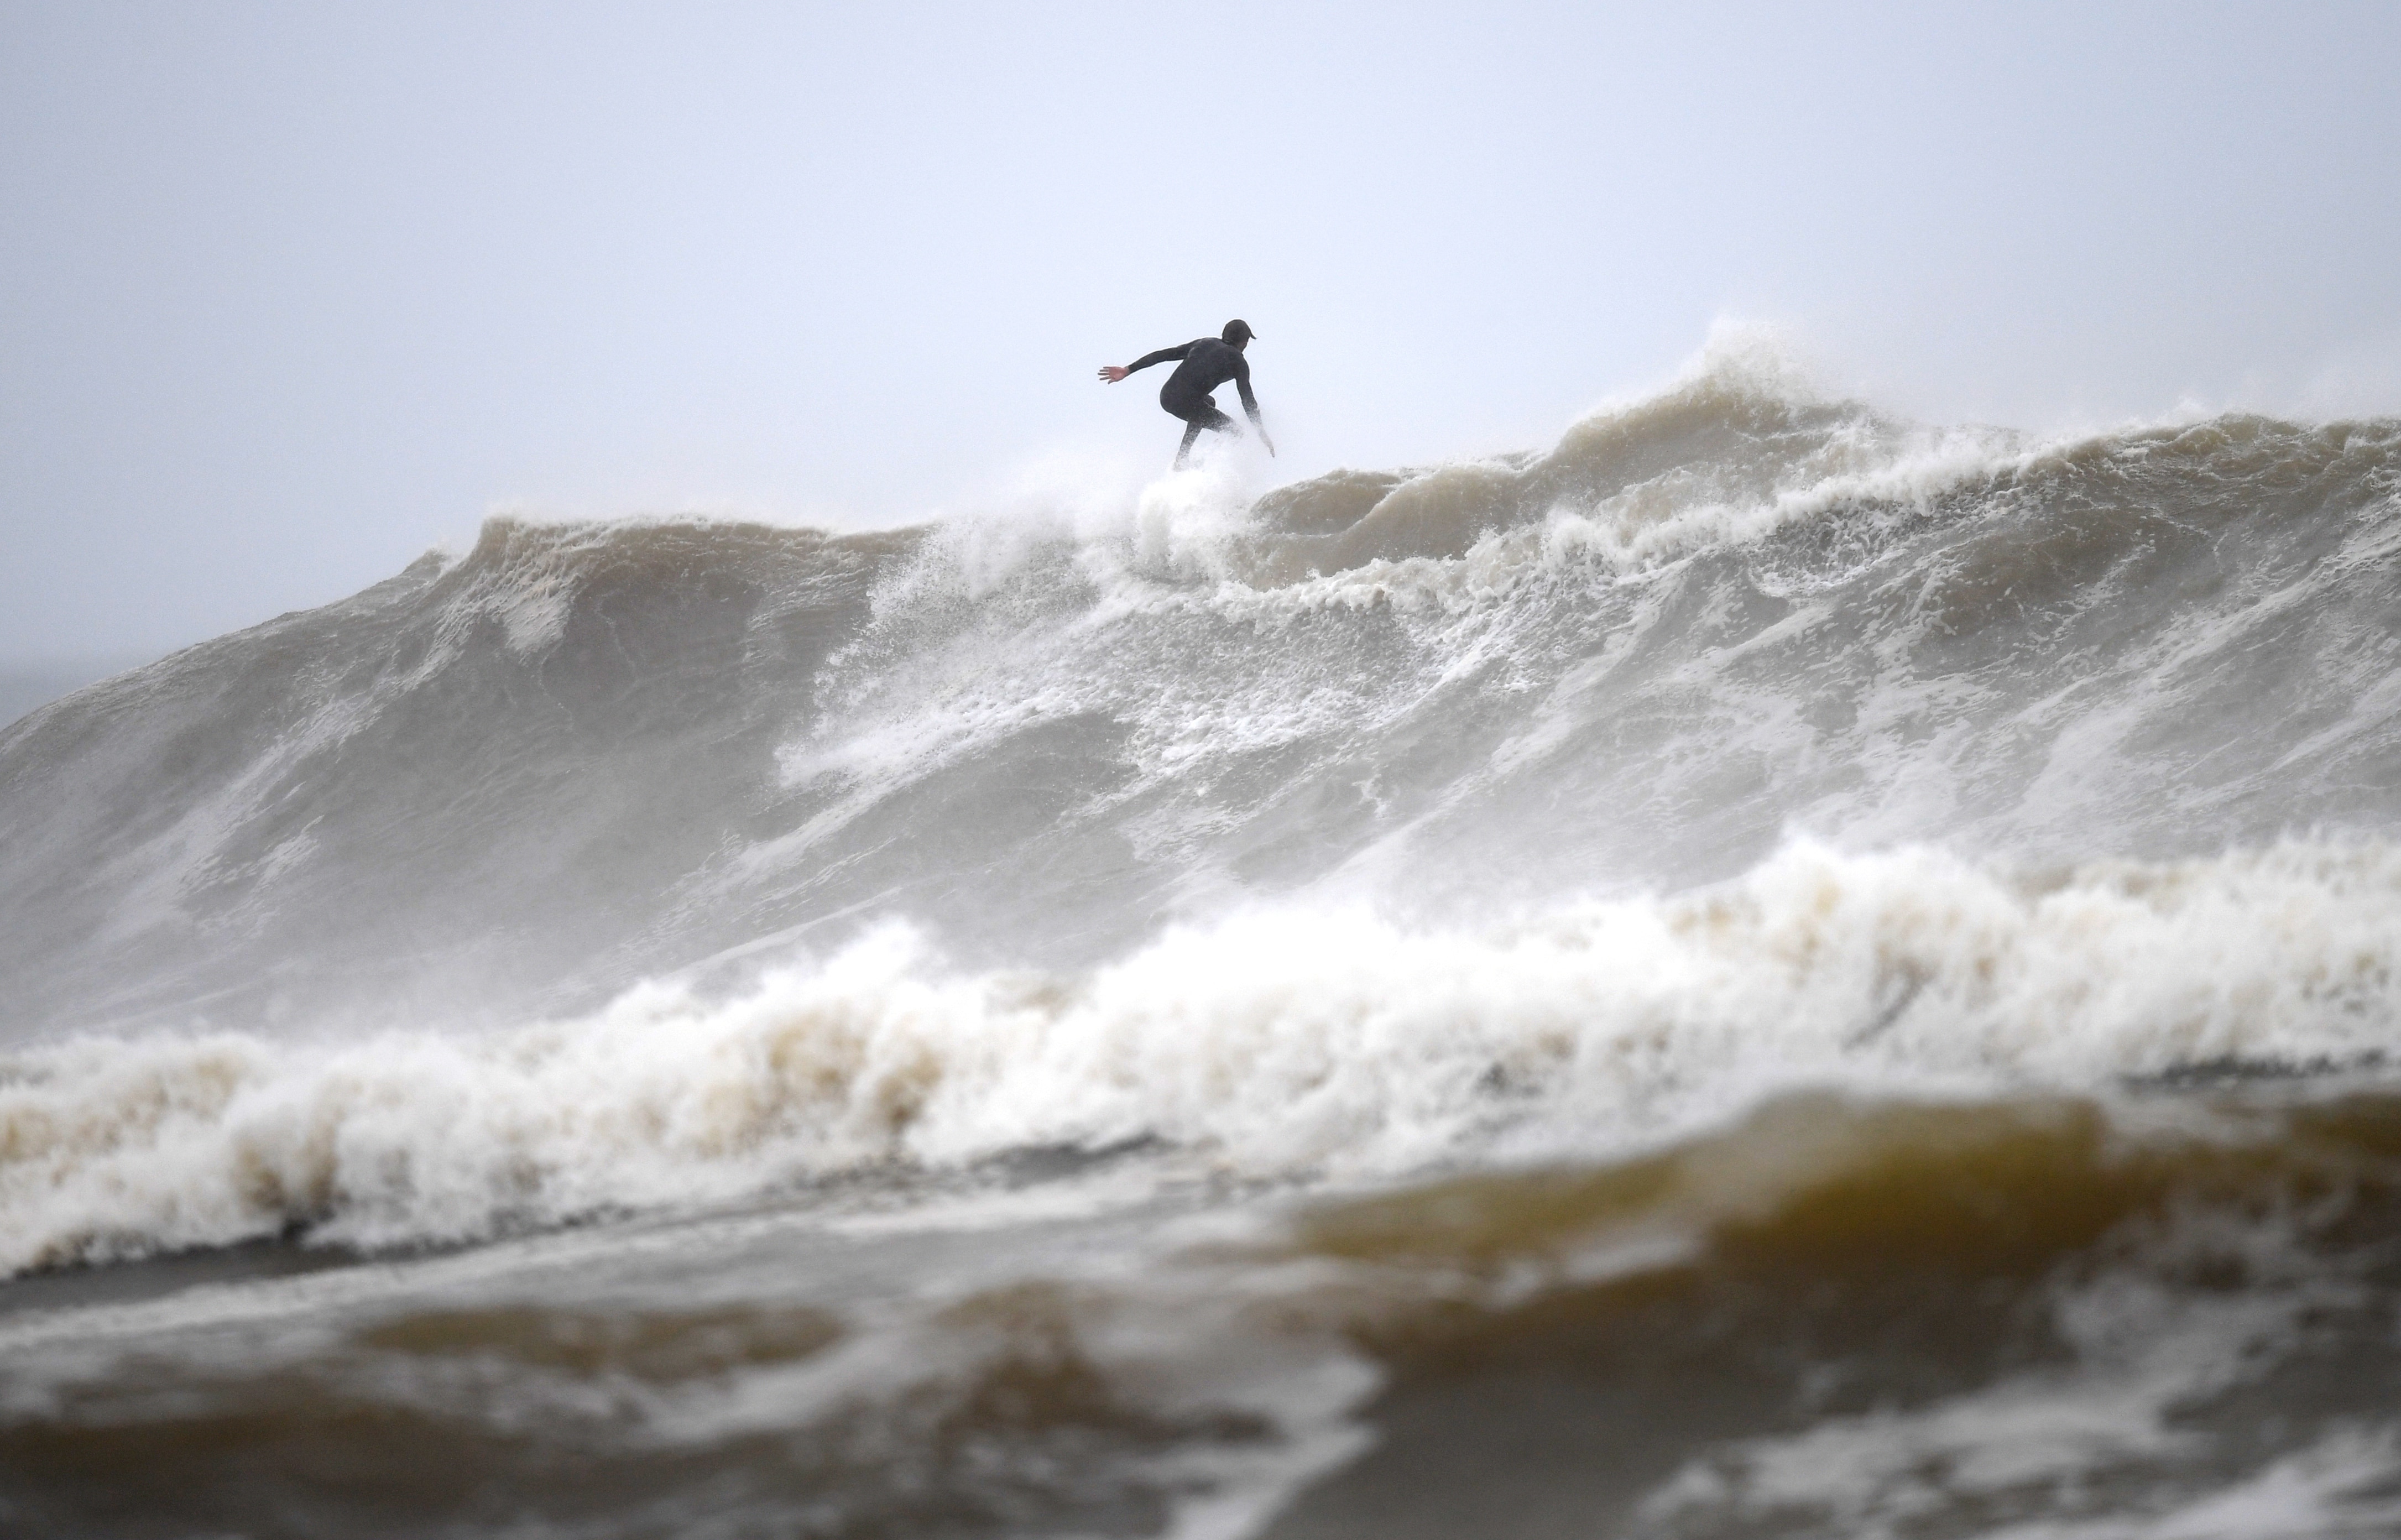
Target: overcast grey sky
<point x="290" y="292"/>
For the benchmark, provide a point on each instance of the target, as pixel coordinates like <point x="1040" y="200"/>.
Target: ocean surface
<point x="1765" y="970"/>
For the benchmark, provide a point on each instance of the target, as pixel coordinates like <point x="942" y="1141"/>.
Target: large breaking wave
<point x="1745" y="737"/>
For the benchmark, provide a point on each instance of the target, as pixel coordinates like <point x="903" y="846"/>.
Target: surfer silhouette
<point x="1207" y="362"/>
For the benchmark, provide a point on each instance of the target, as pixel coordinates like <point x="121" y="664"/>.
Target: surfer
<point x="1208" y="363"/>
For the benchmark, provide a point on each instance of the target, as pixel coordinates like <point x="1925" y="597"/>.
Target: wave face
<point x="584" y="755"/>
<point x="1766" y="970"/>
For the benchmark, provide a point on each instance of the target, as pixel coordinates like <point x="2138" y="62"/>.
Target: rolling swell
<point x="1836" y="1315"/>
<point x="1885" y="1318"/>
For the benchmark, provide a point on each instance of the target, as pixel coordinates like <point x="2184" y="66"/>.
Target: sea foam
<point x="1282" y="1041"/>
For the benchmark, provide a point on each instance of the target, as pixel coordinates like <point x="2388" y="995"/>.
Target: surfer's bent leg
<point x="1191" y="431"/>
<point x="1197" y="414"/>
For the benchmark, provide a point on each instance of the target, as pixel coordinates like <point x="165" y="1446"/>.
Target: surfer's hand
<point x="1111" y="373"/>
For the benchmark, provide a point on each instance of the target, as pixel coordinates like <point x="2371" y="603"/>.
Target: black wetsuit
<point x="1207" y="363"/>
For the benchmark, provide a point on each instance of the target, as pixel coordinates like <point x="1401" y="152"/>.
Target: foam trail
<point x="1276" y="1043"/>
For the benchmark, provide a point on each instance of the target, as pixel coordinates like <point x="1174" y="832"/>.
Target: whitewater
<point x="1766" y="970"/>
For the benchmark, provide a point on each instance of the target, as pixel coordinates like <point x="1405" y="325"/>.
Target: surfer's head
<point x="1236" y="333"/>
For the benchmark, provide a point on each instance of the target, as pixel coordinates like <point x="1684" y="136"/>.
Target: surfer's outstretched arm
<point x="1251" y="406"/>
<point x="1112" y="373"/>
